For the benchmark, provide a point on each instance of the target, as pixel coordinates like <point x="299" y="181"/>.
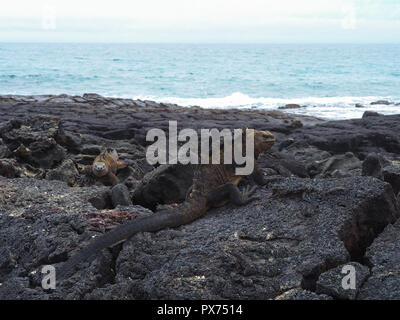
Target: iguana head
<point x="263" y="140"/>
<point x="99" y="169"/>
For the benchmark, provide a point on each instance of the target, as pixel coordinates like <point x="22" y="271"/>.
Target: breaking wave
<point x="324" y="107"/>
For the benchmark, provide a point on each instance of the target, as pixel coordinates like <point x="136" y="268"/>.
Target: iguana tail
<point x="188" y="211"/>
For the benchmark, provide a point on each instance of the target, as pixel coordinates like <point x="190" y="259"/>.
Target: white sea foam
<point x="324" y="107"/>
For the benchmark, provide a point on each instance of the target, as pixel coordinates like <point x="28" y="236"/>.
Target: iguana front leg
<point x="85" y="175"/>
<point x="112" y="178"/>
<point x="86" y="170"/>
<point x="258" y="176"/>
<point x="121" y="164"/>
<point x="231" y="192"/>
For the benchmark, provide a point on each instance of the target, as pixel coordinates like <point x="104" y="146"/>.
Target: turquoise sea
<point x="330" y="79"/>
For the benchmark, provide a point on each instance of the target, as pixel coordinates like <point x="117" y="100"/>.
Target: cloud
<point x="200" y="20"/>
<point x="349" y="19"/>
<point x="172" y="9"/>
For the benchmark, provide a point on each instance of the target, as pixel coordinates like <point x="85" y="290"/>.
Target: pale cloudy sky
<point x="277" y="21"/>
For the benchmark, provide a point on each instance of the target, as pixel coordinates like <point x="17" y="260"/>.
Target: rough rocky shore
<point x="332" y="199"/>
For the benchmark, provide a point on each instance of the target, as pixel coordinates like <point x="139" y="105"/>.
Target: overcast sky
<point x="276" y="21"/>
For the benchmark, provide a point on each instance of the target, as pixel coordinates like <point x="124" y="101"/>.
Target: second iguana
<point x="105" y="167"/>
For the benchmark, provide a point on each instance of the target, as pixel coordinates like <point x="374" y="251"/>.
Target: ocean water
<point x="330" y="79"/>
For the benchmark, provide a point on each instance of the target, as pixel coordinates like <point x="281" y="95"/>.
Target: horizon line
<point x="201" y="42"/>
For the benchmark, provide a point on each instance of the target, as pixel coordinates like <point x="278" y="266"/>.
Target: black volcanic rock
<point x="291" y="106"/>
<point x="359" y="136"/>
<point x="288" y="244"/>
<point x="384" y="102"/>
<point x="4" y="151"/>
<point x="283" y="241"/>
<point x="66" y="172"/>
<point x="9" y="168"/>
<point x="368" y="114"/>
<point x="165" y="185"/>
<point x="120" y="195"/>
<point x="299" y="294"/>
<point x="34" y="141"/>
<point x="383" y="256"/>
<point x="115" y="119"/>
<point x="372" y="166"/>
<point x="391" y="174"/>
<point x="250" y="260"/>
<point x="343" y="165"/>
<point x="330" y="282"/>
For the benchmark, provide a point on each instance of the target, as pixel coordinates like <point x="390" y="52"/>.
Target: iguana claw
<point x="247" y="194"/>
<point x="83" y="179"/>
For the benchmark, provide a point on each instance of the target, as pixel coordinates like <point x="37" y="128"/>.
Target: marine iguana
<point x="213" y="186"/>
<point x="105" y="166"/>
